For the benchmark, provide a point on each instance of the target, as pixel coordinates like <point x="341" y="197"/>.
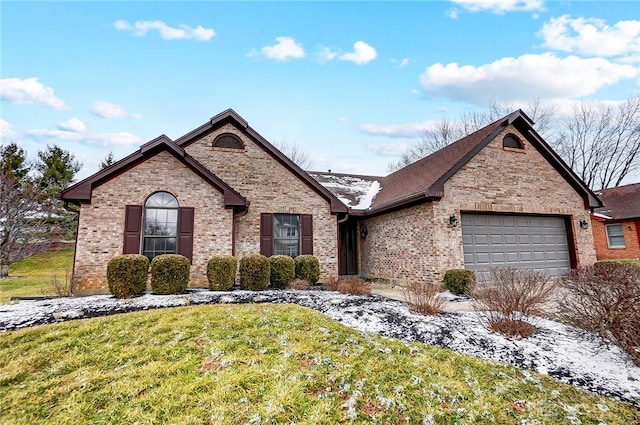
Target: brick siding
<point x="416" y="243"/>
<point x="630" y="232"/>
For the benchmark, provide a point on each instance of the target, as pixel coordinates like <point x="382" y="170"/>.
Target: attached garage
<point x="520" y="241"/>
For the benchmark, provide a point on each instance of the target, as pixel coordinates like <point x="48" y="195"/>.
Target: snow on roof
<point x="598" y="215"/>
<point x="356" y="192"/>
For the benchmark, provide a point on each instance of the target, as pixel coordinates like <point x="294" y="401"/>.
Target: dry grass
<point x="510" y="298"/>
<point x="421" y="297"/>
<point x="354" y="287"/>
<point x="298" y="285"/>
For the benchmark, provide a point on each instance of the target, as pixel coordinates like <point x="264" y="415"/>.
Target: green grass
<point x="32" y="276"/>
<point x="267" y="364"/>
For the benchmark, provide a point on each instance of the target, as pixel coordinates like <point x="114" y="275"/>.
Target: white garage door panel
<point x="521" y="241"/>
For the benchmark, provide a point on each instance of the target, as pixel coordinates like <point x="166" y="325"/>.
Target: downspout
<point x="75" y="245"/>
<point x="236" y="214"/>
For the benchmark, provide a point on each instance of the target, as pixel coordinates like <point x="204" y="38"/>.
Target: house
<point x="616" y="226"/>
<point x="499" y="196"/>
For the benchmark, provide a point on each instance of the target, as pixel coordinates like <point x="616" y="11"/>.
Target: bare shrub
<point x="62" y="287"/>
<point x="422" y="298"/>
<point x="332" y="283"/>
<point x="605" y="299"/>
<point x="354" y="287"/>
<point x="510" y="297"/>
<point x="298" y="284"/>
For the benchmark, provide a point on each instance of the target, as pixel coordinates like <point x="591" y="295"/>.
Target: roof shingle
<point x="620" y="203"/>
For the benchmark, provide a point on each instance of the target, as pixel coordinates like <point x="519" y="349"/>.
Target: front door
<point x="348" y="263"/>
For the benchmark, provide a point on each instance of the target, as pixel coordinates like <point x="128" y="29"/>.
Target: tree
<point x="57" y="168"/>
<point x="107" y="161"/>
<point x="600" y="142"/>
<point x="295" y="153"/>
<point x="24" y="213"/>
<point x="13" y="161"/>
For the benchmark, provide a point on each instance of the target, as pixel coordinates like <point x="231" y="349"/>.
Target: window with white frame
<point x="615" y="237"/>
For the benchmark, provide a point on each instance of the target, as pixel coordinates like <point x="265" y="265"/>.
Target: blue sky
<point x="352" y="83"/>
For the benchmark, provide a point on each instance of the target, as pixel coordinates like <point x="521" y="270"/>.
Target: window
<point x="615" y="237"/>
<point x="228" y="141"/>
<point x="512" y="141"/>
<point x="160" y="225"/>
<point x="286" y="234"/>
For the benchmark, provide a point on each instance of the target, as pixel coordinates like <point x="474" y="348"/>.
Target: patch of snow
<point x="599" y="215"/>
<point x="354" y="191"/>
<point x="563" y="352"/>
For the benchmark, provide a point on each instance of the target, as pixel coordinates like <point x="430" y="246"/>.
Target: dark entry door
<point x="348" y="263"/>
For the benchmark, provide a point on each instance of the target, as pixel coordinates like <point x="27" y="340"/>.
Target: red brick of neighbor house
<point x="621" y="211"/>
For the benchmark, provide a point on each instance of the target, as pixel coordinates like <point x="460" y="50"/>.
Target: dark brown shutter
<point x="132" y="229"/>
<point x="306" y="228"/>
<point x="185" y="232"/>
<point x="266" y="234"/>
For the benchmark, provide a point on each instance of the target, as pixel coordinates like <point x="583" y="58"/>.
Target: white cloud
<point x="181" y="32"/>
<point x="388" y="149"/>
<point x="105" y="109"/>
<point x="408" y="130"/>
<point x="524" y="77"/>
<point x="29" y="90"/>
<point x="591" y="37"/>
<point x="497" y="6"/>
<point x="325" y="54"/>
<point x="362" y="53"/>
<point x="400" y="63"/>
<point x="73" y="124"/>
<point x="6" y="131"/>
<point x="104" y="139"/>
<point x="285" y="48"/>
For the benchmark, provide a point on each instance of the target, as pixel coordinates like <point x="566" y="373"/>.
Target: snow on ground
<point x="568" y="354"/>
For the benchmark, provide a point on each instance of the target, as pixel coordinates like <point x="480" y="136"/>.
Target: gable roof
<point x="81" y="191"/>
<point x="230" y="116"/>
<point x="620" y="203"/>
<point x="424" y="179"/>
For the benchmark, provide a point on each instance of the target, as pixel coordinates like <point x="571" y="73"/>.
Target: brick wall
<point x="630" y="232"/>
<point x="271" y="188"/>
<point x="417" y="242"/>
<point x="101" y="225"/>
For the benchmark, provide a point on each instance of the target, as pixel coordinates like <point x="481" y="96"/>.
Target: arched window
<point x="512" y="141"/>
<point x="228" y="141"/>
<point x="160" y="225"/>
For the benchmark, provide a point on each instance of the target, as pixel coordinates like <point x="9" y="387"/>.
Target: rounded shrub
<point x="127" y="275"/>
<point x="221" y="272"/>
<point x="459" y="281"/>
<point x="254" y="272"/>
<point x="308" y="268"/>
<point x="169" y="274"/>
<point x="283" y="270"/>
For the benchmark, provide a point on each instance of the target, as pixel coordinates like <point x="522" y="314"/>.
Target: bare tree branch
<point x="295" y="153"/>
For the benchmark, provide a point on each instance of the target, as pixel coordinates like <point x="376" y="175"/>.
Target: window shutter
<point x="132" y="229"/>
<point x="266" y="234"/>
<point x="185" y="232"/>
<point x="306" y="229"/>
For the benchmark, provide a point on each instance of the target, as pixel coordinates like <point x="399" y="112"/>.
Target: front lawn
<point x="32" y="276"/>
<point x="264" y="363"/>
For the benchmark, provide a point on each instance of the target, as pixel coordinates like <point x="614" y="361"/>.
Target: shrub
<point x="254" y="272"/>
<point x="422" y="298"/>
<point x="603" y="299"/>
<point x="308" y="268"/>
<point x="283" y="270"/>
<point x="221" y="272"/>
<point x="354" y="287"/>
<point x="332" y="283"/>
<point x="511" y="297"/>
<point x="459" y="281"/>
<point x="169" y="274"/>
<point x="298" y="285"/>
<point x="127" y="275"/>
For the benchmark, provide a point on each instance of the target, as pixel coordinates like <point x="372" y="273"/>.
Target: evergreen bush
<point x="254" y="272"/>
<point x="221" y="272"/>
<point x="459" y="281"/>
<point x="170" y="274"/>
<point x="308" y="268"/>
<point x="127" y="275"/>
<point x="283" y="270"/>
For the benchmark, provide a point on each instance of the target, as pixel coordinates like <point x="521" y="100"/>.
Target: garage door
<point x="519" y="241"/>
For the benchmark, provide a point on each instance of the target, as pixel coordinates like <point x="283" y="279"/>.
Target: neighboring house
<point x="616" y="226"/>
<point x="499" y="196"/>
